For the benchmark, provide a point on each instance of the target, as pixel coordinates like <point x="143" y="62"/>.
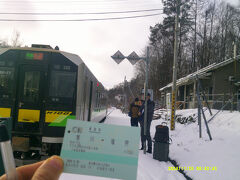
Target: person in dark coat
<point x="133" y="112"/>
<point x="150" y="111"/>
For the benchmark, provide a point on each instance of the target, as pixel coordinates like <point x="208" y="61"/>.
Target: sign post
<point x="175" y="69"/>
<point x="133" y="59"/>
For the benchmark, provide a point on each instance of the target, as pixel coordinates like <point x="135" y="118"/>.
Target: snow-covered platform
<point x="218" y="158"/>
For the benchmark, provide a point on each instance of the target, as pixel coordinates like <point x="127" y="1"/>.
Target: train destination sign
<point x="99" y="149"/>
<point x="34" y="56"/>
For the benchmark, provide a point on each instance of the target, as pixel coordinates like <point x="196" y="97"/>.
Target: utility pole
<point x="145" y="99"/>
<point x="234" y="57"/>
<point x="175" y="67"/>
<point x="195" y="35"/>
<point x="125" y="95"/>
<point x="235" y="73"/>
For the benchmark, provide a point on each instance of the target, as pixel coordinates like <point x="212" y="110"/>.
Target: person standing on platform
<point x="150" y="111"/>
<point x="133" y="112"/>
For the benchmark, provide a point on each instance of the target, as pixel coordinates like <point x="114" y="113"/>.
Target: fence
<point x="215" y="101"/>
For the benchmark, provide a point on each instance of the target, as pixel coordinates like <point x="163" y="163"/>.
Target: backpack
<point x="134" y="111"/>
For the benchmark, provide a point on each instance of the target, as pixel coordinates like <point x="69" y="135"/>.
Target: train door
<point x="29" y="98"/>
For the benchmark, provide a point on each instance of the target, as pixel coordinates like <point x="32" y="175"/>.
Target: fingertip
<point x="51" y="169"/>
<point x="56" y="162"/>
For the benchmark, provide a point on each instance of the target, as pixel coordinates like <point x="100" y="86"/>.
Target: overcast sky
<point x="233" y="2"/>
<point x="93" y="41"/>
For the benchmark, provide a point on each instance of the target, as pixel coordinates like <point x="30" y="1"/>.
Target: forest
<point x="208" y="30"/>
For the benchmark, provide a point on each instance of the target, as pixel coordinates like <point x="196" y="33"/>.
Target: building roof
<point x="204" y="72"/>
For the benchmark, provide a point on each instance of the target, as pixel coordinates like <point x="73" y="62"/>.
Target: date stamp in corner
<point x="192" y="168"/>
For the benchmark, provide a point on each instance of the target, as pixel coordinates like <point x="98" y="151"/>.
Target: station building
<point x="220" y="82"/>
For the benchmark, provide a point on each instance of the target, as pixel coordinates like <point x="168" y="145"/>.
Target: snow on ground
<point x="148" y="168"/>
<point x="189" y="150"/>
<point x="222" y="152"/>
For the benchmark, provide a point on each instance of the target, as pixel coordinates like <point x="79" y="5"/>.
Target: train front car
<point x="40" y="89"/>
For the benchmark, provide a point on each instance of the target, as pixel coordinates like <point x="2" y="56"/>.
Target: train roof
<point x="72" y="57"/>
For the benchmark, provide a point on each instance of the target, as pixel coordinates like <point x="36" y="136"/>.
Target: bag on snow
<point x="160" y="151"/>
<point x="162" y="134"/>
<point x="161" y="143"/>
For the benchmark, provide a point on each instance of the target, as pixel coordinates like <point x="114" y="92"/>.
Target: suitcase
<point x="161" y="143"/>
<point x="161" y="151"/>
<point x="162" y="134"/>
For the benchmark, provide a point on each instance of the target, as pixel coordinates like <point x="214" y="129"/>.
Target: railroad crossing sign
<point x="133" y="58"/>
<point x="118" y="57"/>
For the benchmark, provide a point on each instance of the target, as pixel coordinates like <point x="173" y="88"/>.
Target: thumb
<point x="50" y="169"/>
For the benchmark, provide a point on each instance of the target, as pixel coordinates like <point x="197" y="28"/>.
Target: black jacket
<point x="150" y="110"/>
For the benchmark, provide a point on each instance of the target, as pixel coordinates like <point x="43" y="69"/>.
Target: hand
<point x="139" y="114"/>
<point x="49" y="169"/>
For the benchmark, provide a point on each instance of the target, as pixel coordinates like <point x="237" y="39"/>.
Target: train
<point x="40" y="88"/>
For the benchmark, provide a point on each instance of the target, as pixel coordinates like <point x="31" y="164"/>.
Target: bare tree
<point x="15" y="41"/>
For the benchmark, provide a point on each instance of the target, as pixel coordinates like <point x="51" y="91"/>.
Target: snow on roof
<point x="206" y="71"/>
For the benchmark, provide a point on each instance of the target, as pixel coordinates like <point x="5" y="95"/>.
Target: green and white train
<point x="40" y="88"/>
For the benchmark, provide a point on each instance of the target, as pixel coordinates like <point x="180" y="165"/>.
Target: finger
<point x="50" y="169"/>
<point x="25" y="172"/>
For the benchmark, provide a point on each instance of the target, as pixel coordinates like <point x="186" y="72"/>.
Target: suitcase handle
<point x="164" y="123"/>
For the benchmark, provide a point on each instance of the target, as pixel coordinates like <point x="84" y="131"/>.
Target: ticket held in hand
<point x="99" y="149"/>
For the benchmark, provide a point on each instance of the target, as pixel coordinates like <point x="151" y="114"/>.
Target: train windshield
<point x="31" y="86"/>
<point x="62" y="84"/>
<point x="6" y="82"/>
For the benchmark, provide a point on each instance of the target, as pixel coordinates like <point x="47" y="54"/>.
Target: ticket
<point x="99" y="149"/>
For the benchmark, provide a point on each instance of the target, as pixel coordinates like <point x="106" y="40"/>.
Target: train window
<point x="2" y="63"/>
<point x="10" y="63"/>
<point x="66" y="68"/>
<point x="62" y="84"/>
<point x="6" y="82"/>
<point x="56" y="66"/>
<point x="31" y="86"/>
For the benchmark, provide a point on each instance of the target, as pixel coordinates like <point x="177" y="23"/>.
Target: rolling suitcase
<point x="162" y="133"/>
<point x="160" y="151"/>
<point x="161" y="143"/>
